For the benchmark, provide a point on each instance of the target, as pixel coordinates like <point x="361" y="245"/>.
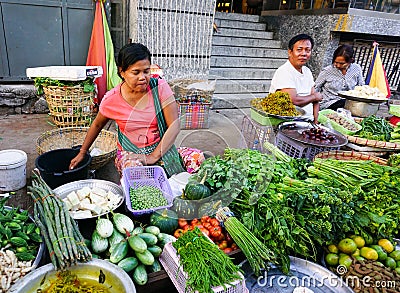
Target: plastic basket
<point x="194" y="115"/>
<point x="135" y="177"/>
<point x="263" y="119"/>
<point x="252" y="131"/>
<point x="323" y="118"/>
<point x="297" y="149"/>
<point x="170" y="261"/>
<point x="69" y="137"/>
<point x="69" y="105"/>
<point x="350" y="156"/>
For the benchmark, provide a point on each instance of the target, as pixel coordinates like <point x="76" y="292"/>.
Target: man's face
<point x="300" y="54"/>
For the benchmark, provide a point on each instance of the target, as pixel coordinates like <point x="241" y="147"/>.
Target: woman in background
<point x="342" y="75"/>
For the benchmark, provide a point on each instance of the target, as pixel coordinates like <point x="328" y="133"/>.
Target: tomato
<point x="223" y="244"/>
<point x="215" y="232"/>
<point x="205" y="219"/>
<point x="194" y="221"/>
<point x="207" y="226"/>
<point x="228" y="250"/>
<point x="214" y="222"/>
<point x="234" y="246"/>
<point x="186" y="228"/>
<point x="228" y="238"/>
<point x="178" y="233"/>
<point x="205" y="231"/>
<point x="182" y="222"/>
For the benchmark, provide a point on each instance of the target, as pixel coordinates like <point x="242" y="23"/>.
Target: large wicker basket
<point x="350" y="155"/>
<point x="69" y="106"/>
<point x="69" y="137"/>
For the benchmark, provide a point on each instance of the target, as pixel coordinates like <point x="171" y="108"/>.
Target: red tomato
<point x="182" y="222"/>
<point x="228" y="238"/>
<point x="216" y="232"/>
<point x="186" y="228"/>
<point x="228" y="250"/>
<point x="214" y="222"/>
<point x="178" y="233"/>
<point x="207" y="226"/>
<point x="194" y="221"/>
<point x="234" y="246"/>
<point x="205" y="219"/>
<point x="223" y="244"/>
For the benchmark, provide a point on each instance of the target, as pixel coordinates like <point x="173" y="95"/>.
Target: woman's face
<point x="340" y="63"/>
<point x="137" y="76"/>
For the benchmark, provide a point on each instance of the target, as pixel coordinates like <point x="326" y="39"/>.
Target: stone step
<point x="232" y="32"/>
<point x="244" y="25"/>
<point x="231" y="101"/>
<point x="237" y="16"/>
<point x="235" y="73"/>
<point x="218" y="50"/>
<point x="222" y="62"/>
<point x="245" y="42"/>
<point x="242" y="86"/>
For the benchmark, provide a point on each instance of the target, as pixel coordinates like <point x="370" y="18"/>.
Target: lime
<point x="382" y="255"/>
<point x="395" y="255"/>
<point x="356" y="253"/>
<point x="346" y="261"/>
<point x="390" y="262"/>
<point x="397" y="270"/>
<point x="360" y="242"/>
<point x="369" y="253"/>
<point x="347" y="246"/>
<point x="332" y="259"/>
<point x="332" y="248"/>
<point x="386" y="245"/>
<point x="368" y="239"/>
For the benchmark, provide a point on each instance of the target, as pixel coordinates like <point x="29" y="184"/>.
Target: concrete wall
<point x="326" y="29"/>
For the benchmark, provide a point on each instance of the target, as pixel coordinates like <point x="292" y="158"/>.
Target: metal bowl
<point x="115" y="278"/>
<point x="42" y="246"/>
<point x="63" y="190"/>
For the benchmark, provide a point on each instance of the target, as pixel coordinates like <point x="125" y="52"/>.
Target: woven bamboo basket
<point x="350" y="155"/>
<point x="69" y="137"/>
<point x="373" y="143"/>
<point x="69" y="106"/>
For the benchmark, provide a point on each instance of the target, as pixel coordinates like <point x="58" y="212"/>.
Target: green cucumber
<point x="155" y="267"/>
<point x="145" y="258"/>
<point x="155" y="250"/>
<point x="140" y="275"/>
<point x="137" y="244"/>
<point x="128" y="264"/>
<point x="118" y="251"/>
<point x="137" y="230"/>
<point x="149" y="238"/>
<point x="164" y="238"/>
<point x="153" y="230"/>
<point x="123" y="223"/>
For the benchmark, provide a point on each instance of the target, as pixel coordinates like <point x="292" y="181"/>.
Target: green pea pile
<point x="146" y="197"/>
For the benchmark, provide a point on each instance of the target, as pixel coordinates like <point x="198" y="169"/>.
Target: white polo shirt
<point x="286" y="76"/>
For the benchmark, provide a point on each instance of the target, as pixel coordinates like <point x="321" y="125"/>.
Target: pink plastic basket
<point x="170" y="261"/>
<point x="135" y="177"/>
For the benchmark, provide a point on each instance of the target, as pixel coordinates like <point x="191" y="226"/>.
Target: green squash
<point x="209" y="208"/>
<point x="166" y="220"/>
<point x="186" y="209"/>
<point x="197" y="190"/>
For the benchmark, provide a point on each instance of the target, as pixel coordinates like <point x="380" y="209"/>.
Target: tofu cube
<point x="83" y="192"/>
<point x="74" y="199"/>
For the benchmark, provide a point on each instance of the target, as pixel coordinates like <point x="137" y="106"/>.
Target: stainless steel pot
<point x="115" y="278"/>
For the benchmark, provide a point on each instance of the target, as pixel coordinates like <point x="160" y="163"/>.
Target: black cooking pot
<point x="54" y="167"/>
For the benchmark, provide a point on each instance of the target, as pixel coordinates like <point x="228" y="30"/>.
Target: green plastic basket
<point x="322" y="118"/>
<point x="263" y="119"/>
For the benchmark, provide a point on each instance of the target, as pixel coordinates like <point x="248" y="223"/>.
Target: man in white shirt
<point x="296" y="79"/>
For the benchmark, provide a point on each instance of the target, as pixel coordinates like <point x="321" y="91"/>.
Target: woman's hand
<point x="75" y="161"/>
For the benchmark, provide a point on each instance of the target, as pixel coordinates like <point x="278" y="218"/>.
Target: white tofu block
<point x="84" y="202"/>
<point x="81" y="214"/>
<point x="73" y="198"/>
<point x="67" y="203"/>
<point x="99" y="191"/>
<point x="83" y="192"/>
<point x="95" y="198"/>
<point x="97" y="210"/>
<point x="87" y="206"/>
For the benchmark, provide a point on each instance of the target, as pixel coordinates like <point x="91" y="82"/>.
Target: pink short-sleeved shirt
<point x="139" y="125"/>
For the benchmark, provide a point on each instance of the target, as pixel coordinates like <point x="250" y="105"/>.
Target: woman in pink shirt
<point x="145" y="111"/>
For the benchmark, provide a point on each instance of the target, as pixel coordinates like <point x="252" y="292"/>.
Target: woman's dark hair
<point x="130" y="54"/>
<point x="346" y="52"/>
<point x="300" y="37"/>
